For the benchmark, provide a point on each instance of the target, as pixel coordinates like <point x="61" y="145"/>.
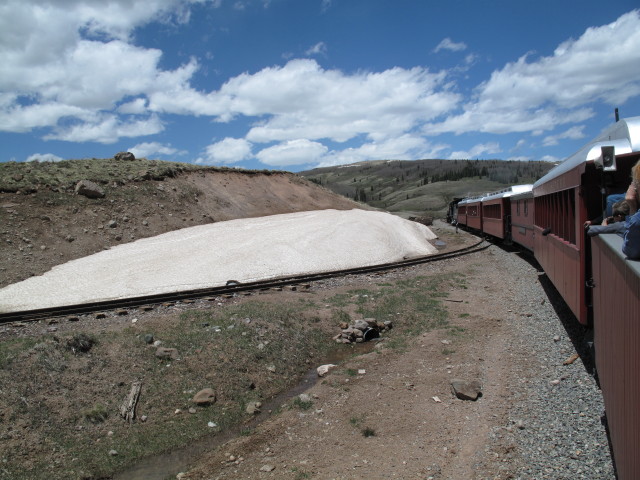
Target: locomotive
<point x="597" y="282"/>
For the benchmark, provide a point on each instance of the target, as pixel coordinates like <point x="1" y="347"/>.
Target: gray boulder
<point x="89" y="189"/>
<point x="465" y="389"/>
<point x="206" y="396"/>
<point x="124" y="156"/>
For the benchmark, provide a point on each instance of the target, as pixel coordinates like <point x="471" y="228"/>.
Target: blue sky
<point x="297" y="84"/>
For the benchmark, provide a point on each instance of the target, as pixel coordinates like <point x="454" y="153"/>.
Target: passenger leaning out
<point x="613" y="224"/>
<point x="633" y="192"/>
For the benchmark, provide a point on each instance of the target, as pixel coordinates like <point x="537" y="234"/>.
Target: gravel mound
<point x="211" y="255"/>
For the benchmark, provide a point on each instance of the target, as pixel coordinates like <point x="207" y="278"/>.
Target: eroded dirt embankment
<point x="46" y="228"/>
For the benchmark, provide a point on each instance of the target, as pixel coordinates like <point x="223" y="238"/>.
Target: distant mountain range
<point x="423" y="187"/>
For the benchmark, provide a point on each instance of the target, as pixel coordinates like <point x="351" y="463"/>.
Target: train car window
<point x="518" y="207"/>
<point x="492" y="211"/>
<point x="526" y="208"/>
<point x="557" y="211"/>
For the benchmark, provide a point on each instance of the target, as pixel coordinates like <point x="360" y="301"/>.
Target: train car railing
<point x="616" y="306"/>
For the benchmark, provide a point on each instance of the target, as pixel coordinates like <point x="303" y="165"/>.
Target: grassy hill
<point x="423" y="187"/>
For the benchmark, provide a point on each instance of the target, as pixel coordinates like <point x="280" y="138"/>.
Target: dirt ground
<point x="397" y="416"/>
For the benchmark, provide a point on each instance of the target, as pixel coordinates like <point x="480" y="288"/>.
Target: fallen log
<point x="128" y="407"/>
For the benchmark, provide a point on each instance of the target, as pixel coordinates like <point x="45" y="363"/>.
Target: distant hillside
<point x="423" y="187"/>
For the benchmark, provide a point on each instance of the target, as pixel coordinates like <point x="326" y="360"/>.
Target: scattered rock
<point x="361" y="325"/>
<point x="206" y="396"/>
<point x="267" y="468"/>
<point x="304" y="397"/>
<point x="361" y="331"/>
<point x="148" y="339"/>
<point x="324" y="369"/>
<point x="124" y="156"/>
<point x="113" y="453"/>
<point x="89" y="189"/>
<point x="80" y="343"/>
<point x="571" y="359"/>
<point x="466" y="390"/>
<point x="164" y="352"/>
<point x="253" y="408"/>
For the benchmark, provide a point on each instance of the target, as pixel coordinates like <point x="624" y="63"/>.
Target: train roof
<point x="505" y="192"/>
<point x="508" y="192"/>
<point x="624" y="135"/>
<point x="523" y="195"/>
<point x="473" y="199"/>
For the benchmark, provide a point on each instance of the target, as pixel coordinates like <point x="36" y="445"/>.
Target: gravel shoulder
<point x="397" y="417"/>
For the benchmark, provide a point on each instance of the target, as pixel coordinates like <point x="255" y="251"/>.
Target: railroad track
<point x="231" y="288"/>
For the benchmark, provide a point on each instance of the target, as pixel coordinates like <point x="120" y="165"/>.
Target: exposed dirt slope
<point x="46" y="228"/>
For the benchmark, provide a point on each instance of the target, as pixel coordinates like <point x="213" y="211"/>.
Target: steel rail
<point x="122" y="303"/>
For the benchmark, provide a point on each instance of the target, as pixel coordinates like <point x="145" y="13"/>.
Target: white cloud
<point x="292" y="152"/>
<point x="107" y="129"/>
<point x="448" y="44"/>
<point x="302" y="100"/>
<point x="406" y="147"/>
<point x="319" y="48"/>
<point x="17" y="118"/>
<point x="148" y="149"/>
<point x="574" y="133"/>
<point x="72" y="58"/>
<point x="136" y="107"/>
<point x="229" y="150"/>
<point x="44" y="157"/>
<point x="477" y="151"/>
<point x="603" y="65"/>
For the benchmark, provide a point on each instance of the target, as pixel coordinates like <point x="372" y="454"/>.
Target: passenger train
<point x="598" y="283"/>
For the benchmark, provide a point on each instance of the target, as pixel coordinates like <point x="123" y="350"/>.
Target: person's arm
<point x="632" y="198"/>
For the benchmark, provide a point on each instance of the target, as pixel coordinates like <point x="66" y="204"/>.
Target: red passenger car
<point x="522" y="214"/>
<point x="474" y="213"/>
<point x="496" y="211"/>
<point x="461" y="214"/>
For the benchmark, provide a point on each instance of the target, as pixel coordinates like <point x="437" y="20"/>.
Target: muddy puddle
<point x="168" y="465"/>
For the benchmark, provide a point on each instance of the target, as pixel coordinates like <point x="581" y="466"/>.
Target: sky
<point x="299" y="84"/>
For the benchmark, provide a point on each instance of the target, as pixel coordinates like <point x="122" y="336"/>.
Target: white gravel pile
<point x="210" y="255"/>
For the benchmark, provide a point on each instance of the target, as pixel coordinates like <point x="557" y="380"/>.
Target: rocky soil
<point x="386" y="412"/>
<point x="539" y="415"/>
